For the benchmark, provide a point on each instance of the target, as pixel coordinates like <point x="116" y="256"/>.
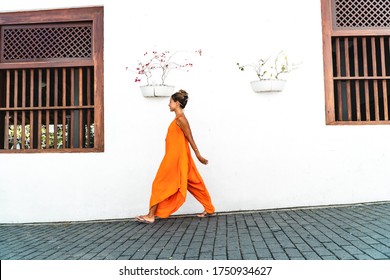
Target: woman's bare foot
<point x="146" y="219"/>
<point x="204" y="214"/>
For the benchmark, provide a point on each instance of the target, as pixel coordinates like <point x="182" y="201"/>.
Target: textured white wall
<point x="264" y="150"/>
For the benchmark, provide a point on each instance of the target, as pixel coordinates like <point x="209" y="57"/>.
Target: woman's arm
<point x="185" y="127"/>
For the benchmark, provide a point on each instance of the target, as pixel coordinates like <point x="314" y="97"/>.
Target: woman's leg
<point x="198" y="189"/>
<point x="203" y="196"/>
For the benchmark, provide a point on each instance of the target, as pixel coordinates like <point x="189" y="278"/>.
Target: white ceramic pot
<point x="157" y="91"/>
<point x="268" y="85"/>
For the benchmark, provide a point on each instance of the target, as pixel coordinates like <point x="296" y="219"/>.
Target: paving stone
<point x="248" y="250"/>
<point x="249" y="256"/>
<point x="259" y="244"/>
<point x="360" y="245"/>
<point x="332" y="246"/>
<point x="178" y="257"/>
<point x="263" y="253"/>
<point x="311" y="256"/>
<point x="205" y="256"/>
<point x="275" y="247"/>
<point x="206" y="248"/>
<point x="384" y="249"/>
<point x="375" y="254"/>
<point x="342" y="255"/>
<point x="280" y="256"/>
<point x="363" y="257"/>
<point x="192" y="253"/>
<point x="352" y="250"/>
<point x="369" y="240"/>
<point x="322" y="251"/>
<point x="181" y="249"/>
<point x="90" y="256"/>
<point x="312" y="241"/>
<point x="302" y="247"/>
<point x="234" y="255"/>
<point x="293" y="253"/>
<point x="331" y="257"/>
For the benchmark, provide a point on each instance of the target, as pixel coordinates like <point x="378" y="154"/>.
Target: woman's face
<point x="173" y="105"/>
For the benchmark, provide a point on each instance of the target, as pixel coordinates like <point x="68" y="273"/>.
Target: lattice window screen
<point x="46" y="42"/>
<point x="361" y="14"/>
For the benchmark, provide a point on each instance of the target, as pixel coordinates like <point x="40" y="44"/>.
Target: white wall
<point x="265" y="150"/>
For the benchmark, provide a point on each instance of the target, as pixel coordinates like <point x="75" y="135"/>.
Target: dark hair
<point x="182" y="97"/>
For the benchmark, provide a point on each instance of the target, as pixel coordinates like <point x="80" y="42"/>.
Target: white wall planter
<point x="157" y="91"/>
<point x="268" y="85"/>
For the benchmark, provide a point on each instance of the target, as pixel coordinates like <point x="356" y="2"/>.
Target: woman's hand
<point x="202" y="159"/>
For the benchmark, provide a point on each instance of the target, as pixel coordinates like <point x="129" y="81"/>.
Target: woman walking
<point x="177" y="172"/>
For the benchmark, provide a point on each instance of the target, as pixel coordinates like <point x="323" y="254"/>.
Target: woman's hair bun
<point x="182" y="97"/>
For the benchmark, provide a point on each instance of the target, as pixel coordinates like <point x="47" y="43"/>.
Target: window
<point x="356" y="44"/>
<point x="51" y="81"/>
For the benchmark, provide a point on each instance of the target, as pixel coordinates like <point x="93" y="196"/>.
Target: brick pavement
<point x="345" y="232"/>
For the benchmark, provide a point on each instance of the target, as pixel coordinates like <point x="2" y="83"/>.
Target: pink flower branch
<point x="162" y="61"/>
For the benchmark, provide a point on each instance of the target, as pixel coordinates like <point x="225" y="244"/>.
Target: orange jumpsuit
<point x="177" y="174"/>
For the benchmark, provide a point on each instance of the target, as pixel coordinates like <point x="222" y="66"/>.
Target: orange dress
<point x="177" y="174"/>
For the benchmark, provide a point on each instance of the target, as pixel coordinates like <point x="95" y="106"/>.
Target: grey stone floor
<point x="345" y="232"/>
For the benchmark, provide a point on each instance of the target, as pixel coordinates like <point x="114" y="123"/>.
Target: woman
<point x="177" y="172"/>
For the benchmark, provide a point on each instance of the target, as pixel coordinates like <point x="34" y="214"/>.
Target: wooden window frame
<point x="331" y="32"/>
<point x="58" y="16"/>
